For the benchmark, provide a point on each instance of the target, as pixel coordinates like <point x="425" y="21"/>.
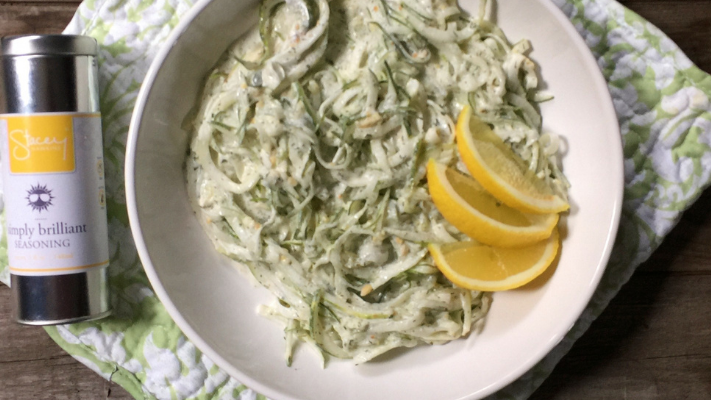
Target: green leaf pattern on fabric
<point x="661" y="99"/>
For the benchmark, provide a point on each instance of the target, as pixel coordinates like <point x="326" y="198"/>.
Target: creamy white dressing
<point x="308" y="158"/>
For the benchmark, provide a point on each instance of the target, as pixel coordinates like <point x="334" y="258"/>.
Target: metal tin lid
<point x="67" y="45"/>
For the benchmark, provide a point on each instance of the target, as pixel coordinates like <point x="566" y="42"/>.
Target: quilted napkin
<point x="661" y="99"/>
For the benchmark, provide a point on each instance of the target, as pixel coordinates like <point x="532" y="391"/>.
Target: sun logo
<point x="39" y="198"/>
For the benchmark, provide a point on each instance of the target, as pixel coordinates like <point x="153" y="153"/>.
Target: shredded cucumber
<point x="308" y="156"/>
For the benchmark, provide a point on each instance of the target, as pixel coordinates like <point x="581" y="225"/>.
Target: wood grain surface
<point x="652" y="342"/>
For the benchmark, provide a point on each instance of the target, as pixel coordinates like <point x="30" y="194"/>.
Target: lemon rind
<point x="481" y="227"/>
<point x="511" y="282"/>
<point x="500" y="189"/>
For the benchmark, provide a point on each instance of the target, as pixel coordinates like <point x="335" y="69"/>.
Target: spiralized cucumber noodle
<point x="307" y="164"/>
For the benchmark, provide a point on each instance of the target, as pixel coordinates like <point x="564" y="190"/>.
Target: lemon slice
<point x="486" y="268"/>
<point x="471" y="209"/>
<point x="500" y="171"/>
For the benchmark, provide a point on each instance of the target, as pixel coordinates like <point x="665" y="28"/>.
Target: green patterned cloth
<point x="661" y="99"/>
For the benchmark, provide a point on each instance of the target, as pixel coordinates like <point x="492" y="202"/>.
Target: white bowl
<point x="215" y="306"/>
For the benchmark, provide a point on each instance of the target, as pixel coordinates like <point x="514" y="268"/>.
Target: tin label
<point x="41" y="143"/>
<point x="53" y="180"/>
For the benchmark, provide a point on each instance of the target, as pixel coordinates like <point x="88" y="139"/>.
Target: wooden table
<point x="652" y="342"/>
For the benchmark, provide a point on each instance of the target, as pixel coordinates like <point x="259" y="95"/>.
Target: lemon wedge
<point x="500" y="171"/>
<point x="470" y="208"/>
<point x="486" y="268"/>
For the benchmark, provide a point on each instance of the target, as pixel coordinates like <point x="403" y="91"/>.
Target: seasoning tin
<point x="53" y="179"/>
